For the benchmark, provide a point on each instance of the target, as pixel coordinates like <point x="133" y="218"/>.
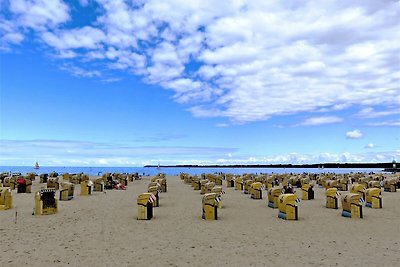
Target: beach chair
<point x="358" y="189"/>
<point x="45" y="202"/>
<point x="31" y="176"/>
<point x="43" y="178"/>
<point x="330" y="184"/>
<point x="10" y="182"/>
<point x="53" y="174"/>
<point x="364" y="181"/>
<point x="247" y="186"/>
<point x="67" y="191"/>
<point x="285" y="181"/>
<point x="389" y="184"/>
<point x="183" y="175"/>
<point x="196" y="183"/>
<point x="24" y="185"/>
<point x="145" y="206"/>
<point x="352" y="206"/>
<point x="273" y="196"/>
<point x="203" y="187"/>
<point x="86" y="187"/>
<point x="256" y="190"/>
<point x="307" y="191"/>
<point x="66" y="177"/>
<point x="210" y="207"/>
<point x="5" y="198"/>
<point x="75" y="178"/>
<point x="163" y="184"/>
<point x="374" y="184"/>
<point x="52" y="182"/>
<point x="155" y="190"/>
<point x="295" y="181"/>
<point x="98" y="185"/>
<point x="218" y="190"/>
<point x="83" y="178"/>
<point x="270" y="182"/>
<point x="211" y="177"/>
<point x="332" y="199"/>
<point x="239" y="183"/>
<point x="209" y="187"/>
<point x="123" y="179"/>
<point x="342" y="184"/>
<point x="218" y="180"/>
<point x="187" y="179"/>
<point x="287" y="207"/>
<point x="373" y="198"/>
<point x="230" y="181"/>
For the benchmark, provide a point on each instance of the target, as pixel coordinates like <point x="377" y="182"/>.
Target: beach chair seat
<point x="5" y="198"/>
<point x="10" y="182"/>
<point x="256" y="190"/>
<point x="67" y="191"/>
<point x="196" y="183"/>
<point x="352" y="206"/>
<point x="46" y="202"/>
<point x="239" y="183"/>
<point x="155" y="190"/>
<point x="24" y="185"/>
<point x="390" y="184"/>
<point x="342" y="184"/>
<point x="374" y="184"/>
<point x="86" y="187"/>
<point x="247" y="186"/>
<point x="203" y="187"/>
<point x="332" y="199"/>
<point x="210" y="206"/>
<point x="373" y="198"/>
<point x="209" y="186"/>
<point x="163" y="184"/>
<point x="98" y="185"/>
<point x="287" y="205"/>
<point x="358" y="189"/>
<point x="273" y="196"/>
<point x="145" y="206"/>
<point x="307" y="191"/>
<point x="219" y="191"/>
<point x="52" y="182"/>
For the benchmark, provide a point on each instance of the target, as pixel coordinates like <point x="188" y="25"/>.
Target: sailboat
<point x="36" y="166"/>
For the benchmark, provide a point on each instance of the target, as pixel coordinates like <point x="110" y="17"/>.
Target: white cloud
<point x="40" y="14"/>
<point x="385" y="123"/>
<point x="86" y="37"/>
<point x="320" y="120"/>
<point x="253" y="59"/>
<point x="370" y="112"/>
<point x="9" y="34"/>
<point x="370" y="145"/>
<point x="84" y="2"/>
<point x="355" y="134"/>
<point x="85" y="153"/>
<point x="79" y="72"/>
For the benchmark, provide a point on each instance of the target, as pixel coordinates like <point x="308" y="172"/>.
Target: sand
<point x="102" y="230"/>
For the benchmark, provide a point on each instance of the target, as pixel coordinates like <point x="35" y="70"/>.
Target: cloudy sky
<point x="114" y="82"/>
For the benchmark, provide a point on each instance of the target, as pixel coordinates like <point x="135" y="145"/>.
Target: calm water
<point x="173" y="171"/>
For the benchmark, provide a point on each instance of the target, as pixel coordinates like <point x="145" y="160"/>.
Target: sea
<point x="151" y="171"/>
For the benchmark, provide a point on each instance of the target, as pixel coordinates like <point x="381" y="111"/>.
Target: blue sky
<point x="128" y="83"/>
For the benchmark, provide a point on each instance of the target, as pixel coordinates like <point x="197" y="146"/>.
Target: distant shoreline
<point x="387" y="166"/>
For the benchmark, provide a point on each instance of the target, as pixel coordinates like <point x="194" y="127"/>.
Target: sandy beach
<point x="102" y="230"/>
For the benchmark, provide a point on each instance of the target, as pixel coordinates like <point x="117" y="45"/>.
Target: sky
<point x="133" y="82"/>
